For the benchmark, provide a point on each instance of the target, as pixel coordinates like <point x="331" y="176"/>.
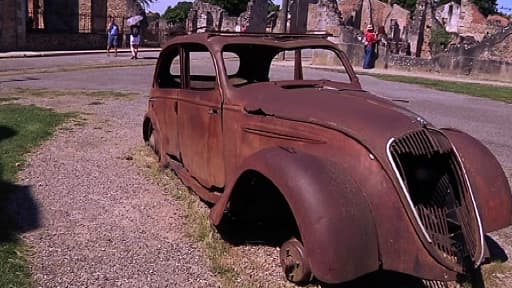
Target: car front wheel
<point x="295" y="262"/>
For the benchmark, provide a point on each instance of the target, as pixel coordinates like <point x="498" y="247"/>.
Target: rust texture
<point x="348" y="182"/>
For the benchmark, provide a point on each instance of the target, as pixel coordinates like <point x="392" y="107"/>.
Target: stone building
<point x="466" y="20"/>
<point x="59" y="24"/>
<point x="390" y="18"/>
<point x="324" y="16"/>
<point x="205" y="16"/>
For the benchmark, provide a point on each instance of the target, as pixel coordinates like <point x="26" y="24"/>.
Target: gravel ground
<point x="103" y="223"/>
<point x="106" y="224"/>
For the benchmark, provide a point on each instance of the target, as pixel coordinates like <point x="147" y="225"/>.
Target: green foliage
<point x="178" y="13"/>
<point x="487" y="7"/>
<point x="233" y="7"/>
<point x="406" y="4"/>
<point x="440" y="40"/>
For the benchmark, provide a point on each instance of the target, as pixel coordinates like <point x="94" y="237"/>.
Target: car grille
<point x="436" y="189"/>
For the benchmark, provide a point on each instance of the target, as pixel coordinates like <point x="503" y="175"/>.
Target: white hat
<point x="369" y="27"/>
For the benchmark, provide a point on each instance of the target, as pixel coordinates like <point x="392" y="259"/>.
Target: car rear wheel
<point x="295" y="262"/>
<point x="153" y="142"/>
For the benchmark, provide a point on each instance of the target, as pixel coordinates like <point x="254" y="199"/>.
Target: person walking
<point x="112" y="36"/>
<point x="370" y="40"/>
<point x="134" y="40"/>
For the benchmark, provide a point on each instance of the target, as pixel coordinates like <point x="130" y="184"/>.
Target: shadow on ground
<point x="19" y="211"/>
<point x="243" y="233"/>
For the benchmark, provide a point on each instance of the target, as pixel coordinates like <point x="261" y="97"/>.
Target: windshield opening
<point x="249" y="63"/>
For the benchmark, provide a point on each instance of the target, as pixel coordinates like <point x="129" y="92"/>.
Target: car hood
<point x="367" y="118"/>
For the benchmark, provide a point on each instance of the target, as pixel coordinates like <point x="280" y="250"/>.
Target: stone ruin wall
<point x="351" y="12"/>
<point x="214" y="17"/>
<point x="401" y="17"/>
<point x="500" y="51"/>
<point x="449" y="16"/>
<point x="325" y="16"/>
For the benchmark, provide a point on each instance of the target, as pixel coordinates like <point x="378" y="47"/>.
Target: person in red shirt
<point x="370" y="39"/>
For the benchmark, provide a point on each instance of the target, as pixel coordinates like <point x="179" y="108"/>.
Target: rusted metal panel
<point x="487" y="179"/>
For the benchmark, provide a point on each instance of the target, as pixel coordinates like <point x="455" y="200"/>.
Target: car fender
<point x="331" y="211"/>
<point x="487" y="180"/>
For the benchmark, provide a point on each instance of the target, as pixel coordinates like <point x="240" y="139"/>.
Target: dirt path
<point x="103" y="224"/>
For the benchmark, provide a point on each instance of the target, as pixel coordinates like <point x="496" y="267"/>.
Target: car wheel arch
<point x="300" y="173"/>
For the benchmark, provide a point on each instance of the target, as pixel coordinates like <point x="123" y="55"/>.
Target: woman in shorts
<point x="134" y="40"/>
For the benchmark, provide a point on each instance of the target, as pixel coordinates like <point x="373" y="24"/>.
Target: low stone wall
<point x="460" y="66"/>
<point x="474" y="68"/>
<point x="64" y="41"/>
<point x="483" y="69"/>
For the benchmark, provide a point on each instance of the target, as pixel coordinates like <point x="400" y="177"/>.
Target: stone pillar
<point x="257" y="14"/>
<point x="366" y="15"/>
<point x="99" y="16"/>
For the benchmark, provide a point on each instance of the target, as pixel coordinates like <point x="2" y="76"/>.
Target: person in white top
<point x="134" y="40"/>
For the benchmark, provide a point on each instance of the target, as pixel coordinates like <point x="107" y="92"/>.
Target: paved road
<point x="485" y="119"/>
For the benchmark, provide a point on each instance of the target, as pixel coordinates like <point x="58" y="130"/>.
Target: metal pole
<point x="284" y="21"/>
<point x="284" y="16"/>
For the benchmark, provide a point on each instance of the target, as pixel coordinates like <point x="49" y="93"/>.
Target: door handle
<point x="213" y="111"/>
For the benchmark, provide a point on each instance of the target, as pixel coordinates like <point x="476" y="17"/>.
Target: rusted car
<point x="344" y="181"/>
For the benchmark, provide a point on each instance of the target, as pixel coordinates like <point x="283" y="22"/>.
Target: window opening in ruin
<point x="35" y="15"/>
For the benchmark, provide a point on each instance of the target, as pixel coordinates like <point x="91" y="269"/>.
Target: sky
<point x="161" y="5"/>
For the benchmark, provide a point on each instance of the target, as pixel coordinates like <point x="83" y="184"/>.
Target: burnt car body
<point x="361" y="183"/>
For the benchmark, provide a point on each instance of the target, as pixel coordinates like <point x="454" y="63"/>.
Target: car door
<point x="200" y="118"/>
<point x="164" y="97"/>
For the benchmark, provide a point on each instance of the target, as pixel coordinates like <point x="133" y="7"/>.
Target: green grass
<point x="13" y="267"/>
<point x="21" y="129"/>
<point x="499" y="93"/>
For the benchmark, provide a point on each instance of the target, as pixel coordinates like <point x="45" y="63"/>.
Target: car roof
<point x="217" y="40"/>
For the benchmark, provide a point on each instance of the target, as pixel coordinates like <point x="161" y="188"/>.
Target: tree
<point x="233" y="7"/>
<point x="487" y="7"/>
<point x="178" y="13"/>
<point x="406" y="4"/>
<point x="144" y="3"/>
<point x="273" y="7"/>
